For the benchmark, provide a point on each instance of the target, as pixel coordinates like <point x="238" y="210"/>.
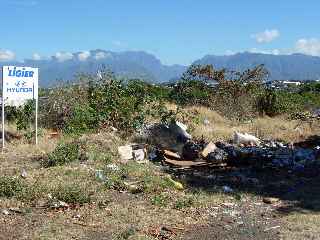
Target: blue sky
<point x="175" y="31"/>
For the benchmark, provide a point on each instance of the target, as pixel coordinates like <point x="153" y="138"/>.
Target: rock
<point x="245" y="139"/>
<point x="139" y="155"/>
<point x="125" y="152"/>
<point x="208" y="149"/>
<point x="270" y="200"/>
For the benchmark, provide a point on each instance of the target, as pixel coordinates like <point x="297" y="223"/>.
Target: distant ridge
<point x="139" y="64"/>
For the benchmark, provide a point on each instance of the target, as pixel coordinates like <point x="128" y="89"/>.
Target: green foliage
<point x="82" y="119"/>
<point x="71" y="193"/>
<point x="63" y="153"/>
<point x="184" y="202"/>
<point x="10" y="186"/>
<point x="160" y="200"/>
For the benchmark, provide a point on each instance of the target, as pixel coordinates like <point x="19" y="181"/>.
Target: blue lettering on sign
<point x="18" y="90"/>
<point x="19" y="73"/>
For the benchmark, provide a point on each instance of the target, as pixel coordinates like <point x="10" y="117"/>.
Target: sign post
<point x="19" y="84"/>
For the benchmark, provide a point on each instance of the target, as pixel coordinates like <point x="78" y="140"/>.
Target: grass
<point x="111" y="208"/>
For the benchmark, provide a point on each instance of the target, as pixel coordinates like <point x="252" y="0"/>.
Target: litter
<point x="180" y="130"/>
<point x="139" y="155"/>
<point x="211" y="147"/>
<point x="245" y="139"/>
<point x="125" y="152"/>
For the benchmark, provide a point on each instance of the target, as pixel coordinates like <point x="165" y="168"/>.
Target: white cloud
<point x="36" y="57"/>
<point x="63" y="56"/>
<point x="7" y="55"/>
<point x="308" y="46"/>
<point x="271" y="51"/>
<point x="266" y="36"/>
<point x="102" y="55"/>
<point x="230" y="52"/>
<point x="83" y="56"/>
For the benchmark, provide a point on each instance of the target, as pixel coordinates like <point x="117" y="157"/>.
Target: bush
<point x="72" y="194"/>
<point x="63" y="153"/>
<point x="10" y="186"/>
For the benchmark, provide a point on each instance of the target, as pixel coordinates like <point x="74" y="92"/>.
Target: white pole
<point x="2" y="111"/>
<point x="37" y="121"/>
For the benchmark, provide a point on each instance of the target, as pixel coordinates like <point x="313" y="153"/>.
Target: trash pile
<point x="244" y="150"/>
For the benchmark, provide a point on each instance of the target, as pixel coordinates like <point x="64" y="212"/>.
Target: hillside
<point x="295" y="66"/>
<point x="138" y="64"/>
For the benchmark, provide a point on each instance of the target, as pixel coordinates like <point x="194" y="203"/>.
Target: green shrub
<point x="160" y="200"/>
<point x="82" y="119"/>
<point x="63" y="153"/>
<point x="10" y="186"/>
<point x="71" y="193"/>
<point x="185" y="202"/>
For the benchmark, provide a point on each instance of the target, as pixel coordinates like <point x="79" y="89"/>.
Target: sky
<point x="176" y="31"/>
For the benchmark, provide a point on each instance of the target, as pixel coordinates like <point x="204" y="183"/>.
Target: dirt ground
<point x="260" y="204"/>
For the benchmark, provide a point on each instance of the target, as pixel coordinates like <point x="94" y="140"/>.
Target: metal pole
<point x="2" y="111"/>
<point x="37" y="121"/>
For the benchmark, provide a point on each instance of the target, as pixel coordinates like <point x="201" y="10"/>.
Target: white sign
<point x="19" y="84"/>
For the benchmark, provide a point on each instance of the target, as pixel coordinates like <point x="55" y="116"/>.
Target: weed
<point x="160" y="200"/>
<point x="10" y="186"/>
<point x="184" y="202"/>
<point x="64" y="153"/>
<point x="71" y="193"/>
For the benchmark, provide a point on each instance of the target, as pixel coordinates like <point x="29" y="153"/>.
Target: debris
<point x="5" y="212"/>
<point x="139" y="155"/>
<point x="217" y="156"/>
<point x="271" y="228"/>
<point x="206" y="122"/>
<point x="180" y="130"/>
<point x="191" y="151"/>
<point x="170" y="154"/>
<point x="15" y="210"/>
<point x="125" y="152"/>
<point x="208" y="149"/>
<point x="187" y="163"/>
<point x="134" y="188"/>
<point x="112" y="167"/>
<point x="177" y="185"/>
<point x="58" y="204"/>
<point x="100" y="175"/>
<point x="24" y="173"/>
<point x="245" y="139"/>
<point x="270" y="200"/>
<point x="227" y="189"/>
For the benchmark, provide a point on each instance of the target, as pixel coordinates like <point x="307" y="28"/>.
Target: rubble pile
<point x="177" y="148"/>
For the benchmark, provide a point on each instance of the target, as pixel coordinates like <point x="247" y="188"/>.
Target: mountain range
<point x="139" y="64"/>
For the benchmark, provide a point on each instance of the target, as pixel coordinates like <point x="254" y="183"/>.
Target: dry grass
<point x="266" y="128"/>
<point x="112" y="214"/>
